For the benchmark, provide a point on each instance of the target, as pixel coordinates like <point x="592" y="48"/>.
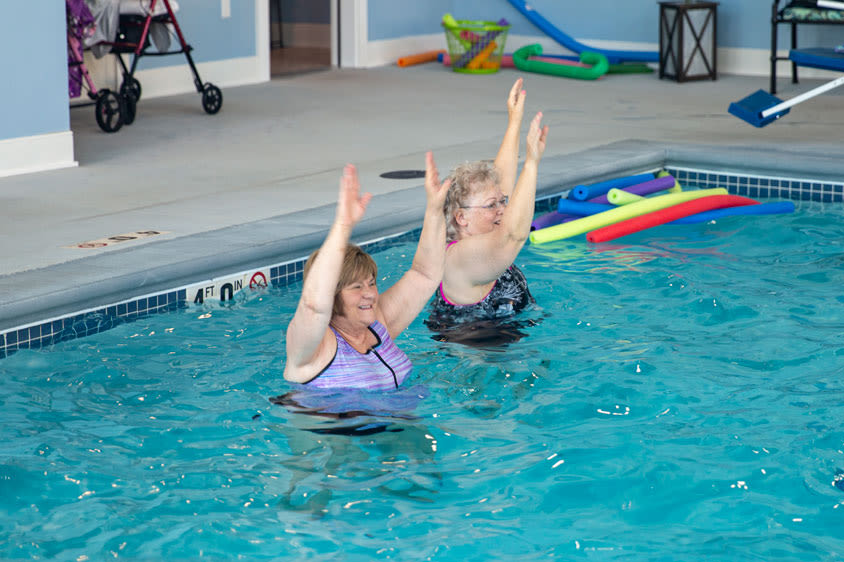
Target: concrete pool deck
<point x="255" y="184"/>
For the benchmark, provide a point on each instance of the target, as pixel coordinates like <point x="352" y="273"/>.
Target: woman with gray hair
<point x="488" y="215"/>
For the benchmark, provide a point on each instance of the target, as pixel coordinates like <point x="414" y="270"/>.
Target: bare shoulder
<point x="321" y="358"/>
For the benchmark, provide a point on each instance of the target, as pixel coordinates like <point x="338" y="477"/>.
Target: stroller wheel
<point x="130" y="104"/>
<point x="109" y="111"/>
<point x="131" y="86"/>
<point x="212" y="99"/>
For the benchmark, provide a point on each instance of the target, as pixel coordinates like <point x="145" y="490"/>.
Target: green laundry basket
<point x="475" y="47"/>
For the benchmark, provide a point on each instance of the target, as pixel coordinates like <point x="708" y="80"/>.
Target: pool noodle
<point x="644" y="188"/>
<point x="581" y="208"/>
<point x="622" y="197"/>
<point x="452" y="26"/>
<point x="507" y="61"/>
<point x="584" y="192"/>
<point x="549" y="219"/>
<point x="476" y="62"/>
<point x="428" y="56"/>
<point x="585" y="224"/>
<point x="469" y="35"/>
<point x="771" y="208"/>
<point x="668" y="214"/>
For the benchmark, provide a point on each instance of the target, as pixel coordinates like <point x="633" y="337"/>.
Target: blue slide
<point x="614" y="57"/>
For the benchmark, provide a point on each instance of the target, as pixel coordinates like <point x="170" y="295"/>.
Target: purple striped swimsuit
<point x="383" y="367"/>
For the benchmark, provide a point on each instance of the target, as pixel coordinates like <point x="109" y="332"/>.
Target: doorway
<point x="300" y="36"/>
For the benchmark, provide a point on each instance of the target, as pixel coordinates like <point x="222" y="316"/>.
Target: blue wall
<point x="212" y="37"/>
<point x="35" y="99"/>
<point x="34" y="69"/>
<point x="741" y="23"/>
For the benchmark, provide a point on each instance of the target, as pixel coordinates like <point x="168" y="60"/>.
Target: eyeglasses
<point x="490" y="206"/>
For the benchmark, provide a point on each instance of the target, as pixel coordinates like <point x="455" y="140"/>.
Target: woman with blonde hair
<point x="488" y="215"/>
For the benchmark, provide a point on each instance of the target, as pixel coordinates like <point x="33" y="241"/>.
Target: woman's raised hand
<point x="516" y="101"/>
<point x="435" y="190"/>
<point x="351" y="205"/>
<point x="536" y="136"/>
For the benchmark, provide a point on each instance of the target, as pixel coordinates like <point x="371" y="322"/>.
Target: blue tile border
<point x="800" y="189"/>
<point x="101" y="319"/>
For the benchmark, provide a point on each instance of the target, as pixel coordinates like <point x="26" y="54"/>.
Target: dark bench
<point x="797" y="12"/>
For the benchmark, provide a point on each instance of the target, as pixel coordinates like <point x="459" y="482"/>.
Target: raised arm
<point x="482" y="258"/>
<point x="402" y="302"/>
<point x="307" y="333"/>
<point x="507" y="159"/>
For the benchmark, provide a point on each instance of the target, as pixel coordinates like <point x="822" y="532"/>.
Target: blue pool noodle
<point x="773" y="208"/>
<point x="567" y="41"/>
<point x="584" y="192"/>
<point x="581" y="208"/>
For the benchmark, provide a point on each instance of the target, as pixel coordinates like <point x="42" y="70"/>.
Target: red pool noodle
<point x="662" y="216"/>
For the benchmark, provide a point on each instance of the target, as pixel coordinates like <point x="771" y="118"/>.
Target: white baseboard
<point x="747" y="62"/>
<point x="38" y="153"/>
<point x="756" y="62"/>
<point x="178" y="79"/>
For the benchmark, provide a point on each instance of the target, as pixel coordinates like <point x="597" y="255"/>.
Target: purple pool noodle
<point x="549" y="219"/>
<point x="587" y="192"/>
<point x="581" y="208"/>
<point x="652" y="186"/>
<point x="772" y="208"/>
<point x="479" y="46"/>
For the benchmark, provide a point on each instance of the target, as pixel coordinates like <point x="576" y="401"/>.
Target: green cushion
<point x="794" y="12"/>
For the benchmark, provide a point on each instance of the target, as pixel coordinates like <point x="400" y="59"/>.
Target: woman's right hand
<point x="351" y="205"/>
<point x="435" y="190"/>
<point x="536" y="137"/>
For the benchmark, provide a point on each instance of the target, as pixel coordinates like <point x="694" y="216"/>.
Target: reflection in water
<point x="486" y="334"/>
<point x="348" y="447"/>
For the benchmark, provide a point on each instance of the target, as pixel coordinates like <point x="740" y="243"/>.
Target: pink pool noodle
<point x="507" y="61"/>
<point x="668" y="214"/>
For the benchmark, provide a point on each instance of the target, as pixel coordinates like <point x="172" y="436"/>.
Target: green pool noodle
<point x="620" y="197"/>
<point x="598" y="64"/>
<point x="629" y="68"/>
<point x="454" y="28"/>
<point x="677" y="187"/>
<point x="647" y="205"/>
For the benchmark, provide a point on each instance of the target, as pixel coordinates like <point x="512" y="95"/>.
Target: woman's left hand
<point x="434" y="189"/>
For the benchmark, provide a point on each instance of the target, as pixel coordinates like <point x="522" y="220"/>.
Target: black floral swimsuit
<point x="508" y="296"/>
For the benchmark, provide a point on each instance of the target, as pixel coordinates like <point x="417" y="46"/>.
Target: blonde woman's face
<point x="483" y="209"/>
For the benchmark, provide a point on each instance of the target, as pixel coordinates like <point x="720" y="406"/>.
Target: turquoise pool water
<point x="680" y="396"/>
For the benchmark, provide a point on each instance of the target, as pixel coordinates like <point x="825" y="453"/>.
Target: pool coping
<point x="272" y="249"/>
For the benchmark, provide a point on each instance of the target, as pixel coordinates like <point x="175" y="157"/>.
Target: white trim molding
<point x="38" y="153"/>
<point x="262" y="41"/>
<point x="354" y="34"/>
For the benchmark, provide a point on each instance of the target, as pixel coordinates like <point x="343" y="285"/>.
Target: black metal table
<point x="687" y="40"/>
